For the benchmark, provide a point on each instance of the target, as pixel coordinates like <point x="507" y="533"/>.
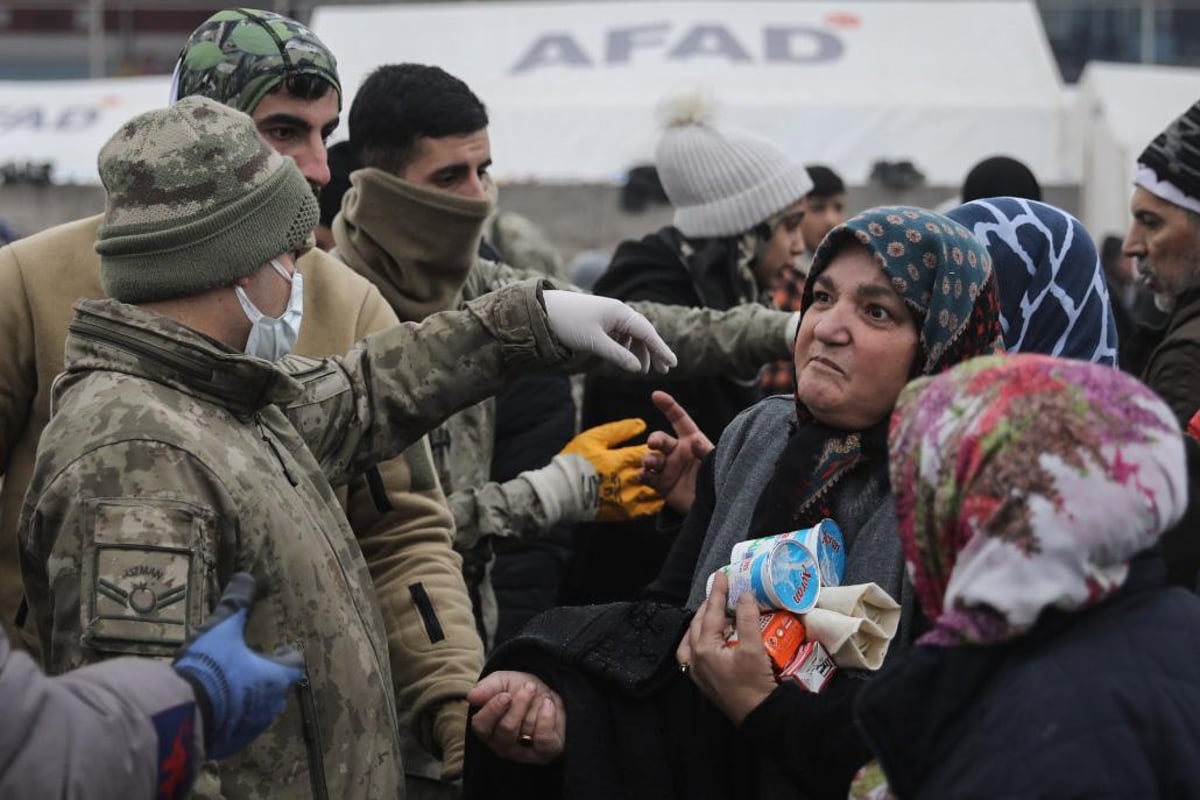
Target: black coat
<point x="535" y="418"/>
<point x="1100" y="704"/>
<point x="637" y="730"/>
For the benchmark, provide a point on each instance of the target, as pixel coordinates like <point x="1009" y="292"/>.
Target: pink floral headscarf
<point x="1026" y="482"/>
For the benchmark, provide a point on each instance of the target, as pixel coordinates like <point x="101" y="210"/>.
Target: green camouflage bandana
<point x="237" y="56"/>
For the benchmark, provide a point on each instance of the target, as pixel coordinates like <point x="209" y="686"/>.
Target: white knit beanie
<point x="721" y="184"/>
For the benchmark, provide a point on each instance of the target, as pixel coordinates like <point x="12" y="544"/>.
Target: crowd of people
<point x="301" y="498"/>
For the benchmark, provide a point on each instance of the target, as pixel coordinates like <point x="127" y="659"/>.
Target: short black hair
<point x="400" y="103"/>
<point x="826" y="182"/>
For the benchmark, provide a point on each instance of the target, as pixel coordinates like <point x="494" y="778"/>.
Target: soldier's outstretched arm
<point x="396" y="385"/>
<point x="706" y="341"/>
<point x="735" y="342"/>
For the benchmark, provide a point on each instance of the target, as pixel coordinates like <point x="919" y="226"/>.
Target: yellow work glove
<point x="593" y="479"/>
<point x="450" y="731"/>
<point x="622" y="495"/>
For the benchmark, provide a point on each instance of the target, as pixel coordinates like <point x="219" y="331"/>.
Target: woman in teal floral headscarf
<point x="1030" y="493"/>
<point x="894" y="293"/>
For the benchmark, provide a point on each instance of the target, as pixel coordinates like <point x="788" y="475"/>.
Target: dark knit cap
<point x="1000" y="176"/>
<point x="1169" y="167"/>
<point x="195" y="199"/>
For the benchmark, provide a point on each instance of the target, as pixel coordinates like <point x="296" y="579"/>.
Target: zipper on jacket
<point x="292" y="479"/>
<point x="136" y="347"/>
<point x="312" y="738"/>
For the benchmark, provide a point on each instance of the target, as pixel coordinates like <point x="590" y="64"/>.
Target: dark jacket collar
<point x="116" y="337"/>
<point x="1187" y="308"/>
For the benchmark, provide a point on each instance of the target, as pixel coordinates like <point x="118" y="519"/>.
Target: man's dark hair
<point x="400" y="103"/>
<point x="341" y="164"/>
<point x="1000" y="176"/>
<point x="303" y="86"/>
<point x="826" y="182"/>
<point x="1110" y="250"/>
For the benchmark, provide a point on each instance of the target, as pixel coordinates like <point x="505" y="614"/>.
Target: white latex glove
<point x="608" y="328"/>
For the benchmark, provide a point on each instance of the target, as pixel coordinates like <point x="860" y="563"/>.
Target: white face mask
<point x="272" y="338"/>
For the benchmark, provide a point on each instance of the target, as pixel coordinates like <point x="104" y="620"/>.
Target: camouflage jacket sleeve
<point x="396" y="385"/>
<point x="100" y="529"/>
<point x="511" y="508"/>
<point x="103" y="727"/>
<point x="707" y="341"/>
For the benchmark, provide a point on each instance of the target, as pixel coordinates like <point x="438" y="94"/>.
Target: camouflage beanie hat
<point x="237" y="56"/>
<point x="195" y="199"/>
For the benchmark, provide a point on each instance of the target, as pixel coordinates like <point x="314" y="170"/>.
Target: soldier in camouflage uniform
<point x="397" y="510"/>
<point x="411" y="224"/>
<point x="173" y="460"/>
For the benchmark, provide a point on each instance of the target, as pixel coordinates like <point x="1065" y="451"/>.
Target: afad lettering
<point x="780" y="45"/>
<point x="35" y="118"/>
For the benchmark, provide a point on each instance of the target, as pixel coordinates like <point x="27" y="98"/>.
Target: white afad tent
<point x="571" y="88"/>
<point x="1121" y="108"/>
<point x="65" y="123"/>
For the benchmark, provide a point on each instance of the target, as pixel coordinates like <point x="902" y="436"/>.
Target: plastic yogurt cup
<point x="780" y="575"/>
<point x="824" y="540"/>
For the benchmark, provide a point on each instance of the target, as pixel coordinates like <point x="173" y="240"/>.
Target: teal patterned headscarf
<point x="945" y="277"/>
<point x="940" y="269"/>
<point x="1027" y="482"/>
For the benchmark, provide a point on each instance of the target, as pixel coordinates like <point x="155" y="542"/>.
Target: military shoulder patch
<point x="143" y="574"/>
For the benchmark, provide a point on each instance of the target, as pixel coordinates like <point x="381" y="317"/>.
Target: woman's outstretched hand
<point x="673" y="462"/>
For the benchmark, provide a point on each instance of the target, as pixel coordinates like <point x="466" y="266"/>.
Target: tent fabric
<point x="1118" y="109"/>
<point x="65" y="123"/>
<point x="572" y="87"/>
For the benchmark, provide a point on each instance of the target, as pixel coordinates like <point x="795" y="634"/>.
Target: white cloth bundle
<point x="855" y="624"/>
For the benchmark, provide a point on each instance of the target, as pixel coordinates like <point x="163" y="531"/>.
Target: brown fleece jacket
<point x="398" y="514"/>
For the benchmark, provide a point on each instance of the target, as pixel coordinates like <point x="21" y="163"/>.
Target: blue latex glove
<point x="242" y="691"/>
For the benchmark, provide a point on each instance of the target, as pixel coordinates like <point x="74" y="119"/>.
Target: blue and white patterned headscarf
<point x="1053" y="296"/>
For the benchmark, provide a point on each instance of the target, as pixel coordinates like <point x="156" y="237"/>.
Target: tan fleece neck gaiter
<point x="416" y="245"/>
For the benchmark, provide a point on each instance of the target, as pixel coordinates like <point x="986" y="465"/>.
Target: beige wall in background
<point x="575" y="218"/>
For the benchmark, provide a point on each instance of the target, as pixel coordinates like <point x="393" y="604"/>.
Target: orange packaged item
<point x="782" y="634"/>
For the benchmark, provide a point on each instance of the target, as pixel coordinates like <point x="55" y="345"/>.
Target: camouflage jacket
<point x="170" y="463"/>
<point x="398" y="511"/>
